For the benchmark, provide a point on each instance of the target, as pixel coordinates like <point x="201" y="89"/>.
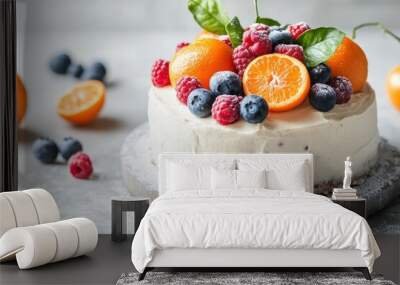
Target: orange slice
<point x="282" y="80"/>
<point x="83" y="102"/>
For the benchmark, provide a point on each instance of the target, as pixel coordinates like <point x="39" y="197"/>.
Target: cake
<point x="347" y="130"/>
<point x="266" y="88"/>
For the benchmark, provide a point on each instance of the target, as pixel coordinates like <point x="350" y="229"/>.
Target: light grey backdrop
<point x="129" y="35"/>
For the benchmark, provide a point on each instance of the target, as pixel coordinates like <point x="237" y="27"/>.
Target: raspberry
<point x="257" y="42"/>
<point x="258" y="27"/>
<point x="295" y="51"/>
<point x="298" y="29"/>
<point x="184" y="86"/>
<point x="225" y="39"/>
<point x="226" y="109"/>
<point x="80" y="166"/>
<point x="160" y="73"/>
<point x="181" y="45"/>
<point x="343" y="89"/>
<point x="242" y="56"/>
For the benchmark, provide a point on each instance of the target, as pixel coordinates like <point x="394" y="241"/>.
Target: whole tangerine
<point x="201" y="59"/>
<point x="349" y="60"/>
<point x="393" y="86"/>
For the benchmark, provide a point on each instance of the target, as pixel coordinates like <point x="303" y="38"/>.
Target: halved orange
<point x="83" y="102"/>
<point x="281" y="80"/>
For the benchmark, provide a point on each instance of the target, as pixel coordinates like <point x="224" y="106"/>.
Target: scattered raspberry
<point x="184" y="86"/>
<point x="343" y="89"/>
<point x="80" y="165"/>
<point x="242" y="56"/>
<point x="160" y="73"/>
<point x="181" y="45"/>
<point x="225" y="39"/>
<point x="226" y="109"/>
<point x="295" y="51"/>
<point x="257" y="42"/>
<point x="258" y="27"/>
<point x="298" y="29"/>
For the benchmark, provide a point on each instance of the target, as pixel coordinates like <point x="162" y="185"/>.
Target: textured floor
<point x="106" y="264"/>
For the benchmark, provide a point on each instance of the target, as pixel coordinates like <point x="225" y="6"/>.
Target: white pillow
<point x="231" y="180"/>
<point x="251" y="179"/>
<point x="285" y="174"/>
<point x="193" y="174"/>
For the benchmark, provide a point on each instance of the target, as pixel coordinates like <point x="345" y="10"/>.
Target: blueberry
<point x="322" y="97"/>
<point x="253" y="109"/>
<point x="95" y="71"/>
<point x="200" y="101"/>
<point x="280" y="37"/>
<point x="59" y="64"/>
<point x="99" y="68"/>
<point x="226" y="82"/>
<point x="320" y="74"/>
<point x="69" y="146"/>
<point x="45" y="150"/>
<point x="91" y="75"/>
<point x="75" y="70"/>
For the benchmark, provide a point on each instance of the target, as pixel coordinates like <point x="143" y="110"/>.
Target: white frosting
<point x="347" y="130"/>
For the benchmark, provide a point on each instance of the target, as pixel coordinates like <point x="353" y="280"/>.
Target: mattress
<point x="251" y="219"/>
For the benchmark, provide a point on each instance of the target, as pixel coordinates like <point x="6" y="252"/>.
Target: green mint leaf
<point x="235" y="31"/>
<point x="267" y="21"/>
<point x="319" y="44"/>
<point x="209" y="15"/>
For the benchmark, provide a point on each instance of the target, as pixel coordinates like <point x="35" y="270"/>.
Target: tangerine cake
<point x="266" y="89"/>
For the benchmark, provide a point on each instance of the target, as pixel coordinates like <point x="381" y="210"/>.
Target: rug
<point x="244" y="278"/>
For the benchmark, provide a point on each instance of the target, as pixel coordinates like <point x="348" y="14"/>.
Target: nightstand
<point x="119" y="208"/>
<point x="358" y="205"/>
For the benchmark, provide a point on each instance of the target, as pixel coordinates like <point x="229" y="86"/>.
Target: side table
<point x="357" y="205"/>
<point x="119" y="207"/>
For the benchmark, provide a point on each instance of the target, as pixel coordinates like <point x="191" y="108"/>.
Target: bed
<point x="247" y="210"/>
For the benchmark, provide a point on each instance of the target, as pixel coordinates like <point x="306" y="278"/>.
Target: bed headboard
<point x="165" y="158"/>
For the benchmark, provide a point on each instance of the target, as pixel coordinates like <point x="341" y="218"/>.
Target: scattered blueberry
<point x="280" y="37"/>
<point x="45" y="150"/>
<point x="226" y="82"/>
<point x="322" y="97"/>
<point x="320" y="74"/>
<point x="69" y="146"/>
<point x="253" y="109"/>
<point x="200" y="101"/>
<point x="59" y="64"/>
<point x="96" y="71"/>
<point x="75" y="70"/>
<point x="343" y="89"/>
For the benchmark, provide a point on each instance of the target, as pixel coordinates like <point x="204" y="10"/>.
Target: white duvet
<point x="250" y="219"/>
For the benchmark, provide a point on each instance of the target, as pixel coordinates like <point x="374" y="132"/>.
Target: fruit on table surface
<point x="253" y="109"/>
<point x="59" y="63"/>
<point x="75" y="70"/>
<point x="280" y="37"/>
<point x="201" y="59"/>
<point x="80" y="166"/>
<point x="349" y="60"/>
<point x="200" y="102"/>
<point x="226" y="82"/>
<point x="21" y="99"/>
<point x="393" y="86"/>
<point x="281" y="80"/>
<point x="226" y="109"/>
<point x="83" y="102"/>
<point x="322" y="97"/>
<point x="45" y="150"/>
<point x="69" y="146"/>
<point x="95" y="71"/>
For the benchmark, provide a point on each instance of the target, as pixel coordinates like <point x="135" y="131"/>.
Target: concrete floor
<point x="110" y="260"/>
<point x="128" y="42"/>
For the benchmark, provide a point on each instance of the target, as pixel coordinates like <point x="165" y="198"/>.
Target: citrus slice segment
<point x="83" y="102"/>
<point x="281" y="80"/>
